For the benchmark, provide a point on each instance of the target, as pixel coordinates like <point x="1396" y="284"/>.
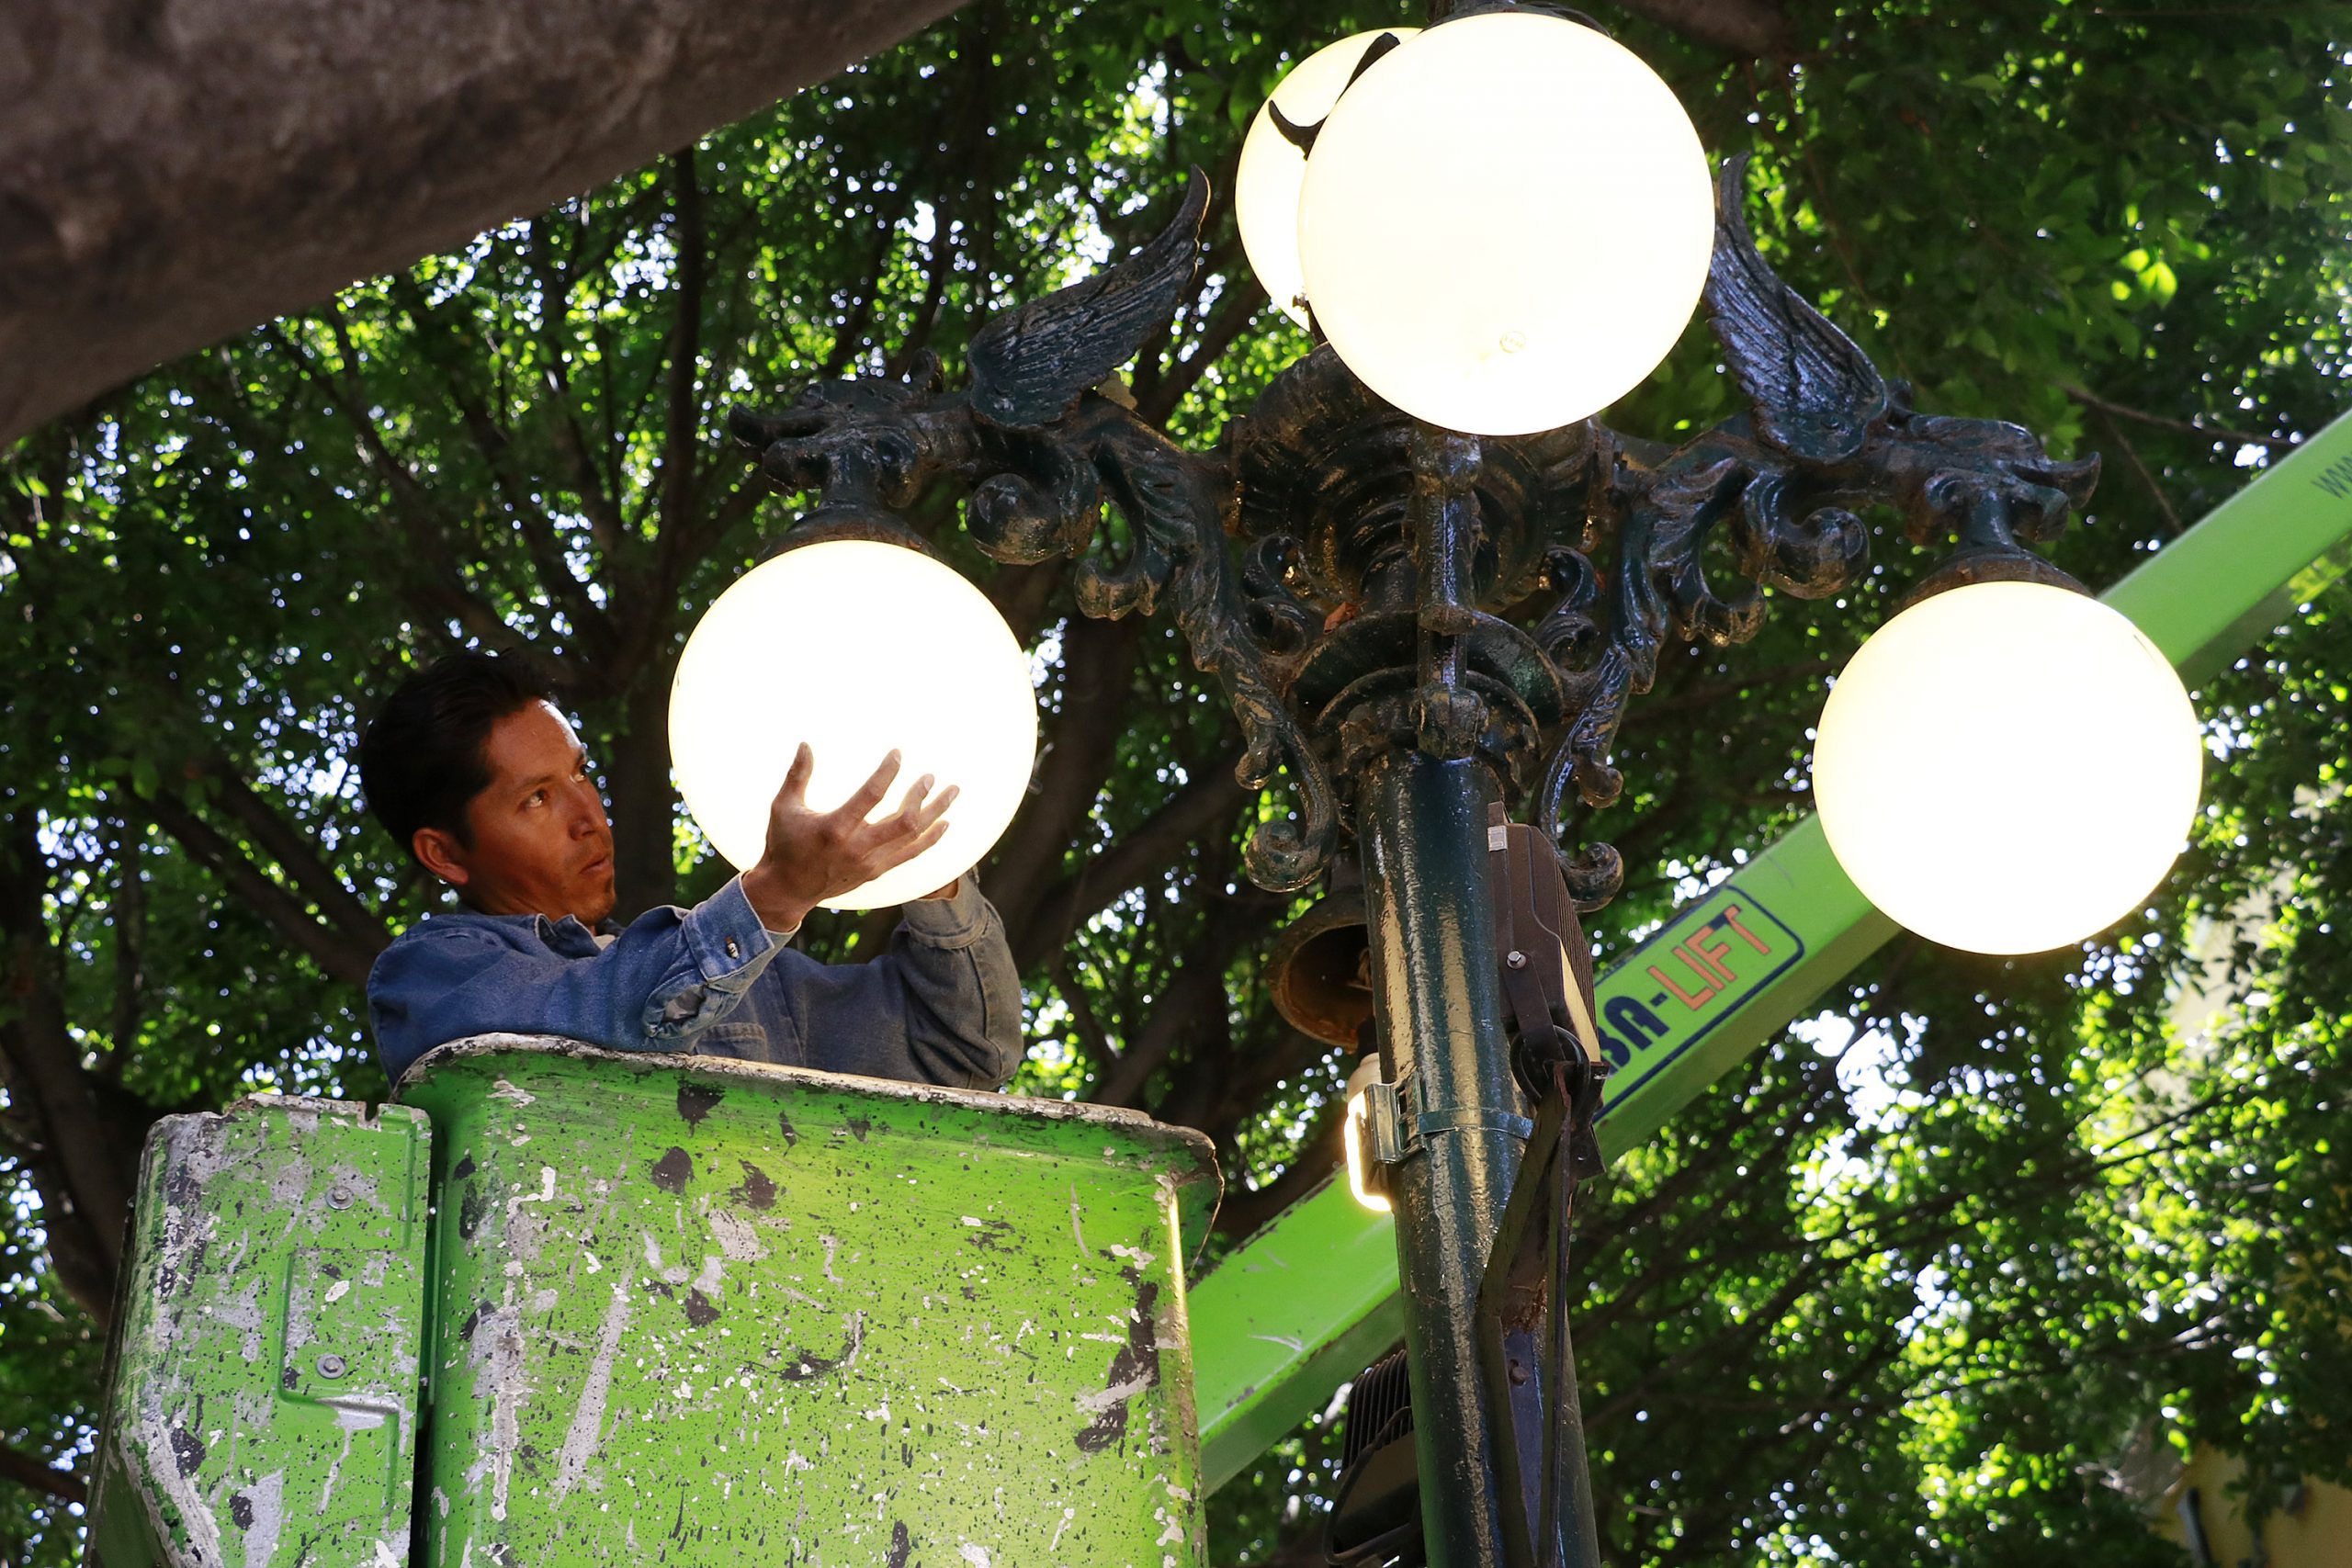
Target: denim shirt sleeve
<point x="942" y="1006"/>
<point x="671" y="973"/>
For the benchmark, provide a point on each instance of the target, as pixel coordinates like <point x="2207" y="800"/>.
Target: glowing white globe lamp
<point x="857" y="649"/>
<point x="1265" y="191"/>
<point x="1505" y="223"/>
<point x="2007" y="767"/>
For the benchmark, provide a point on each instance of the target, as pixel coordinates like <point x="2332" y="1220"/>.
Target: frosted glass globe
<point x="856" y="648"/>
<point x="2007" y="767"/>
<point x="1506" y="223"/>
<point x="1265" y="192"/>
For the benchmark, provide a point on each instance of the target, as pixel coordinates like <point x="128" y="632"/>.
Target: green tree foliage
<point x="1929" y="1279"/>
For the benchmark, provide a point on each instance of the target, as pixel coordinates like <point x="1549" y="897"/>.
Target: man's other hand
<point x="815" y="855"/>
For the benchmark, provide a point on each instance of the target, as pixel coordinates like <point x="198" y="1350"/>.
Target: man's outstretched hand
<point x="815" y="855"/>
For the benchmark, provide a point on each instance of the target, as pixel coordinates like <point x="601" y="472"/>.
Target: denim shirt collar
<point x="566" y="937"/>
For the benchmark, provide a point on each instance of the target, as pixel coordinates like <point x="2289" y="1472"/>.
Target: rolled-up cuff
<point x="950" y="923"/>
<point x="725" y="935"/>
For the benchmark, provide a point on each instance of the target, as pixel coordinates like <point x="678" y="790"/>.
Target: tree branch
<point x="295" y="853"/>
<point x="1246" y="1209"/>
<point x="439" y="592"/>
<point x="2140" y="471"/>
<point x="1242" y="1092"/>
<point x="1743" y="27"/>
<point x="681" y="436"/>
<point x="1244" y="297"/>
<point x="1024" y="595"/>
<point x="28" y="1471"/>
<point x="1211" y="799"/>
<point x="538" y="530"/>
<point x="1708" y="695"/>
<point x="1091" y="1033"/>
<point x="850" y="334"/>
<point x="130" y="929"/>
<point x="2092" y="400"/>
<point x="1192" y="999"/>
<point x="86" y="1155"/>
<point x="173" y="185"/>
<point x="337" y="954"/>
<point x="602" y="505"/>
<point x="1082" y="742"/>
<point x="973" y="215"/>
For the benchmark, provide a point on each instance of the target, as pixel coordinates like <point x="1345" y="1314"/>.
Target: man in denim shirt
<point x="472" y="770"/>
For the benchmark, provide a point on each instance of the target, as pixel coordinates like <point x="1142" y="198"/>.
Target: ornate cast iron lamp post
<point x="1417" y="628"/>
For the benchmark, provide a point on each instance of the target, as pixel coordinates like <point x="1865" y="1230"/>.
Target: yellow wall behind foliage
<point x="2317" y="1532"/>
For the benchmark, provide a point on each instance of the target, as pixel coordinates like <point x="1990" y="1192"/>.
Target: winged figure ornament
<point x="1031" y="364"/>
<point x="1811" y="391"/>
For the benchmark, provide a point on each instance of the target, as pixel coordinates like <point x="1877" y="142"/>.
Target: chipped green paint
<point x="262" y="1409"/>
<point x="691" y="1312"/>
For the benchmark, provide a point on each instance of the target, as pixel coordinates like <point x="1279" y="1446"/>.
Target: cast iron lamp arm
<point x="1041" y="452"/>
<point x="1787" y="482"/>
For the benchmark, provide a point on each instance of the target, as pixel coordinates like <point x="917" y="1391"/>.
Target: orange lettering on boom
<point x="1731" y="919"/>
<point x="1685" y="997"/>
<point x="1713" y="951"/>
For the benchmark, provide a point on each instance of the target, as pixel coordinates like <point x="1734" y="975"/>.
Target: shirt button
<point x="733" y="951"/>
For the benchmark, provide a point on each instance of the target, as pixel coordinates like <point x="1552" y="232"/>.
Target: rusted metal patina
<point x="262" y="1407"/>
<point x="691" y="1312"/>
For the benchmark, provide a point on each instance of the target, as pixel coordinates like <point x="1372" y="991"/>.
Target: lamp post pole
<point x="1433" y="936"/>
<point x="1421" y="813"/>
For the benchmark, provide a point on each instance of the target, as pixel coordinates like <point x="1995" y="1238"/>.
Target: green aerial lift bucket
<point x="566" y="1306"/>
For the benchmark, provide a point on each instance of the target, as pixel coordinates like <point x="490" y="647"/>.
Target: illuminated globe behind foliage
<point x="2007" y="767"/>
<point x="854" y="648"/>
<point x="1505" y="223"/>
<point x="1265" y="192"/>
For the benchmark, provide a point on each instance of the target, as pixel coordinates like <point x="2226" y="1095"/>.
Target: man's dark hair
<point x="425" y="755"/>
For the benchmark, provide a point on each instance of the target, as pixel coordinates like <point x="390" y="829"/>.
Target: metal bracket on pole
<point x="1394" y="1131"/>
<point x="1397" y="1127"/>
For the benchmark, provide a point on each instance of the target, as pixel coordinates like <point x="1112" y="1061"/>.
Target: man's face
<point x="541" y="842"/>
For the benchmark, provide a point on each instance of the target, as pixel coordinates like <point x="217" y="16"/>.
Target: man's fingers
<point x="913" y="815"/>
<point x="869" y="794"/>
<point x="910" y="804"/>
<point x="796" y="777"/>
<point x="917" y="814"/>
<point x="899" y="852"/>
<point x="938" y="808"/>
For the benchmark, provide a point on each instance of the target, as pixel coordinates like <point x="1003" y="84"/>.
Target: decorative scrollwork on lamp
<point x="1382" y="559"/>
<point x="1042" y="453"/>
